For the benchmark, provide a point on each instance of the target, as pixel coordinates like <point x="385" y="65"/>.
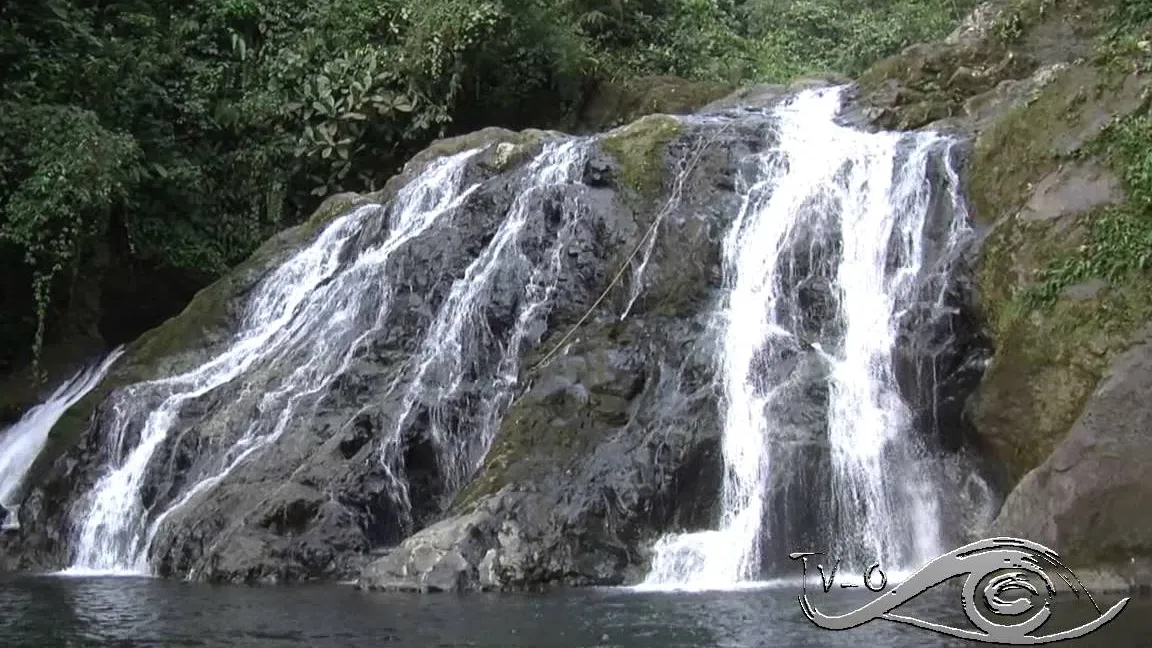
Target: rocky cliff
<point x="1054" y="96"/>
<point x="315" y="506"/>
<point x="612" y="437"/>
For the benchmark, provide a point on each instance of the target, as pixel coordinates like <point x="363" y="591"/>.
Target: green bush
<point x="181" y="135"/>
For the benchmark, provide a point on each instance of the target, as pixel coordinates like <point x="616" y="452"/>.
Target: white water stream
<point x="825" y="203"/>
<point x="305" y="308"/>
<point x="459" y="336"/>
<point x="21" y="443"/>
<point x="312" y="314"/>
<point x="867" y="196"/>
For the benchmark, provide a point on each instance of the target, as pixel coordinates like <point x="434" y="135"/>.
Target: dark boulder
<point x="1090" y="498"/>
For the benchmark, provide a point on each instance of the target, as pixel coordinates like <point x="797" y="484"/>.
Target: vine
<point x="77" y="172"/>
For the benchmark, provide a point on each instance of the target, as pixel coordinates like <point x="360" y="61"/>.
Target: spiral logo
<point x="998" y="570"/>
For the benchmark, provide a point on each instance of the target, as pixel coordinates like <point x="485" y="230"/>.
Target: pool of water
<point x="46" y="611"/>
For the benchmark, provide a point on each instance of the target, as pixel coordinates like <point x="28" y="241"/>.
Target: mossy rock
<point x="1046" y="366"/>
<point x="210" y="318"/>
<point x="641" y="150"/>
<point x="207" y="322"/>
<point x="1003" y="42"/>
<point x="1053" y="128"/>
<point x="578" y="400"/>
<point x="613" y="104"/>
<point x="505" y="148"/>
<point x="1049" y="355"/>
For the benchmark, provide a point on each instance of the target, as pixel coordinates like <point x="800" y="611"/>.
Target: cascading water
<point x="303" y="312"/>
<point x="22" y="443"/>
<point x="314" y="314"/>
<point x="459" y="338"/>
<point x="827" y="253"/>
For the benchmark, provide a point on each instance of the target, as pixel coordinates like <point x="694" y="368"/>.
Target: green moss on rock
<point x="1002" y="42"/>
<point x="578" y="401"/>
<point x="1060" y="301"/>
<point x="210" y="318"/>
<point x="930" y="81"/>
<point x="1047" y="364"/>
<point x="640" y="149"/>
<point x="1015" y="18"/>
<point x="498" y="158"/>
<point x="1030" y="142"/>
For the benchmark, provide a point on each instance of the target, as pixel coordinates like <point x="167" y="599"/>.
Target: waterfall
<point x="829" y="250"/>
<point x="304" y="314"/>
<point x="314" y="315"/>
<point x="459" y="337"/>
<point x="22" y="443"/>
<point x="365" y="376"/>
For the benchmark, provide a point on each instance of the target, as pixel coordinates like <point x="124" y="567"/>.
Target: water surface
<point x="43" y="612"/>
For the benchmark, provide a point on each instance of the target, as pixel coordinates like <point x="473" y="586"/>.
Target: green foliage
<point x="1127" y="45"/>
<point x="190" y="133"/>
<point x="1119" y="243"/>
<point x="179" y="136"/>
<point x="701" y="39"/>
<point x="61" y="182"/>
<point x="1017" y="15"/>
<point x="797" y="37"/>
<point x="761" y="40"/>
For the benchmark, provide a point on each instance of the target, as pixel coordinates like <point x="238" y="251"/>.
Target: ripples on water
<point x="46" y="612"/>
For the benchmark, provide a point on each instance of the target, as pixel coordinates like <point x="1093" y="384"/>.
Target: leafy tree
<point x="142" y="139"/>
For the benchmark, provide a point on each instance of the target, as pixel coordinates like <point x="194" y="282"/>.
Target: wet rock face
<point x="1091" y="497"/>
<point x="610" y="438"/>
<point x="314" y="503"/>
<point x="941" y="346"/>
<point x="615" y="441"/>
<point x="617" y="437"/>
<point x="1028" y="82"/>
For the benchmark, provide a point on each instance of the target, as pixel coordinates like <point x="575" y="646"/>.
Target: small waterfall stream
<point x="824" y="258"/>
<point x="454" y="348"/>
<point x="21" y="443"/>
<point x="303" y="314"/>
<point x="314" y="314"/>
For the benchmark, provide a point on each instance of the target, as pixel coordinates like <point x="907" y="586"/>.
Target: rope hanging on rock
<point x="671" y="204"/>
